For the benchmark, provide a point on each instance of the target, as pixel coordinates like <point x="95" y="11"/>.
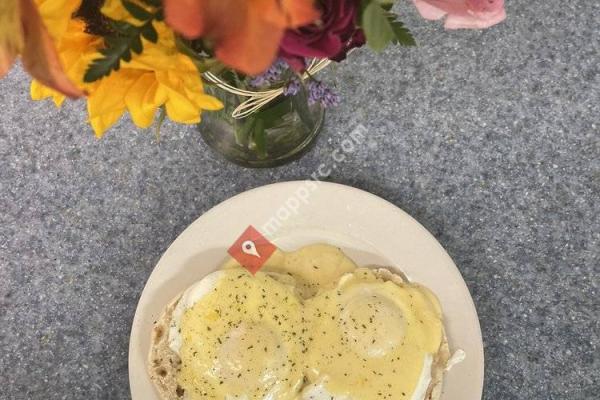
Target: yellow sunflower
<point x="159" y="76"/>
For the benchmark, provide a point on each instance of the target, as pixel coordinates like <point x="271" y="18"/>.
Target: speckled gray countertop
<point x="490" y="139"/>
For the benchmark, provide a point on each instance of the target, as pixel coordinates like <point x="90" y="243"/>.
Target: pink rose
<point x="463" y="14"/>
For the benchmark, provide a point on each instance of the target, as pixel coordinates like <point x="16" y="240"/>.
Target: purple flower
<point x="271" y="75"/>
<point x="293" y="87"/>
<point x="318" y="92"/>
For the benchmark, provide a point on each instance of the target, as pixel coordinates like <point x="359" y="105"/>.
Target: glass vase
<point x="279" y="132"/>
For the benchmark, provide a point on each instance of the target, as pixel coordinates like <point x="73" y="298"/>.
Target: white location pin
<point x="249" y="247"/>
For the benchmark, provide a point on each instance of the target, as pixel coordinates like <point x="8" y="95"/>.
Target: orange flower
<point x="22" y="32"/>
<point x="246" y="34"/>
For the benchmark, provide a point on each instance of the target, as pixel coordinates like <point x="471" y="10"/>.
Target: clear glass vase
<point x="279" y="132"/>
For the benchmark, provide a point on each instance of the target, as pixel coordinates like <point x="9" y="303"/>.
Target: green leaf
<point x="117" y="49"/>
<point x="401" y="33"/>
<point x="149" y="33"/>
<point x="272" y="113"/>
<point x="136" y="44"/>
<point x="386" y="4"/>
<point x="300" y="103"/>
<point x="376" y="25"/>
<point x="161" y="119"/>
<point x="127" y="39"/>
<point x="121" y="27"/>
<point x="126" y="56"/>
<point x="102" y="67"/>
<point x="203" y="64"/>
<point x="152" y="3"/>
<point x="136" y="11"/>
<point x="243" y="130"/>
<point x="259" y="138"/>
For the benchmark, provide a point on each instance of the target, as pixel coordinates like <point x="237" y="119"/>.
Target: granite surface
<point x="490" y="139"/>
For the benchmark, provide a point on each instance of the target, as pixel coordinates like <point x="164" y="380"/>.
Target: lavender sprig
<point x="293" y="87"/>
<point x="271" y="75"/>
<point x="318" y="92"/>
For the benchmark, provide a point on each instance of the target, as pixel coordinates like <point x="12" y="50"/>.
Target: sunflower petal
<point x="106" y="104"/>
<point x="138" y="100"/>
<point x="40" y="92"/>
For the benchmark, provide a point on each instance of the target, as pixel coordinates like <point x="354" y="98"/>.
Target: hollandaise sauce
<point x="372" y="339"/>
<point x="308" y="325"/>
<point x="313" y="268"/>
<point x="243" y="339"/>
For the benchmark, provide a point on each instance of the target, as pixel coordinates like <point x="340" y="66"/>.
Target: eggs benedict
<point x="309" y="325"/>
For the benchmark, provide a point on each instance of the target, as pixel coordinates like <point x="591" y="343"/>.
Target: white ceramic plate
<point x="369" y="229"/>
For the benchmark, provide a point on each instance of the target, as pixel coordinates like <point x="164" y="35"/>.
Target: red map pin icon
<point x="252" y="249"/>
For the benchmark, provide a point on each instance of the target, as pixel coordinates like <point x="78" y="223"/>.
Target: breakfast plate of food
<point x="305" y="291"/>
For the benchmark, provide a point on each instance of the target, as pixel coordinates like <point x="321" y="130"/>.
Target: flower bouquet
<point x="252" y="63"/>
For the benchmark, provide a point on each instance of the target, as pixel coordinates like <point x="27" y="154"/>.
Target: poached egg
<point x="238" y="337"/>
<point x="371" y="339"/>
